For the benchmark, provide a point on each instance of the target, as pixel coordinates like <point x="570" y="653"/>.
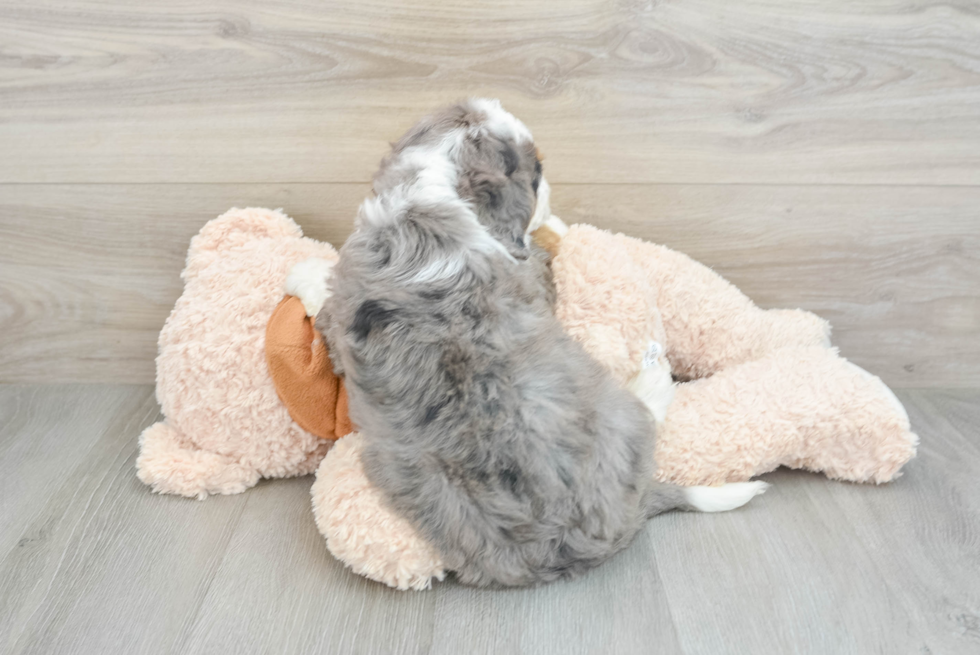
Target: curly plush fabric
<point x="604" y="299"/>
<point x="772" y="393"/>
<point x="769" y="391"/>
<point x="361" y="531"/>
<point x="632" y="291"/>
<point x="225" y="426"/>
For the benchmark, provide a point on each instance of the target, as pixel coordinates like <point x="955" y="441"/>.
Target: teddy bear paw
<point x="309" y="281"/>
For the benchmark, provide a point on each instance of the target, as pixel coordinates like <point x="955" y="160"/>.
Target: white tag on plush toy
<point x="653" y="353"/>
<point x="653" y="384"/>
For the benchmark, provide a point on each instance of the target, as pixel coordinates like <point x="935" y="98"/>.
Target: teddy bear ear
<point x="550" y="234"/>
<point x="236" y="227"/>
<point x="548" y="239"/>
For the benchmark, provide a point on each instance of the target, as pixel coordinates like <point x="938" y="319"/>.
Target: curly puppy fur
<point x="507" y="447"/>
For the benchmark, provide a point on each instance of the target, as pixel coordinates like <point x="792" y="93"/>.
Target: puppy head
<point x="500" y="172"/>
<point x="481" y="153"/>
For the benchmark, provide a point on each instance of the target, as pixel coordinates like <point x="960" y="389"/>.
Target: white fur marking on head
<point x="309" y="281"/>
<point x="723" y="498"/>
<point x="432" y="181"/>
<point x="500" y="121"/>
<point x="383" y="210"/>
<point x="433" y="169"/>
<point x="439" y="269"/>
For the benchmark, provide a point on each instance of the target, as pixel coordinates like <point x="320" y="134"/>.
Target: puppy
<point x="511" y="450"/>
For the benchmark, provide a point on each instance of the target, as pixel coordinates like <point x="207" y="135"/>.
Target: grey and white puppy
<point x="509" y="448"/>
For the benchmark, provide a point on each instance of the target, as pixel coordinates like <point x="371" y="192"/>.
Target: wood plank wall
<point x="823" y="155"/>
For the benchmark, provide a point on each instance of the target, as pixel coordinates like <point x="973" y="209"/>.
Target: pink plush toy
<point x="225" y="426"/>
<point x="768" y="391"/>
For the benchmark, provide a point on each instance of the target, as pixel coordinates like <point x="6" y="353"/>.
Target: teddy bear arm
<point x="709" y="323"/>
<point x="604" y="301"/>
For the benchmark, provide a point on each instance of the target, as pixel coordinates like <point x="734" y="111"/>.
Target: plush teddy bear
<point x="245" y="385"/>
<point x="226" y="426"/>
<point x="768" y="391"/>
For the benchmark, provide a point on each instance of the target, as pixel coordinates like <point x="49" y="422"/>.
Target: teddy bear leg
<point x="797" y="407"/>
<point x="866" y="435"/>
<point x="723" y="429"/>
<point x="794" y="327"/>
<point x="360" y="529"/>
<point x="170" y="464"/>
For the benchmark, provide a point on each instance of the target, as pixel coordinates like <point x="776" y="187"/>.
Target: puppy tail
<point x="664" y="497"/>
<point x="723" y="498"/>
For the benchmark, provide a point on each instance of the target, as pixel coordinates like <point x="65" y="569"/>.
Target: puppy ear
<point x="485" y="187"/>
<point x="492" y="178"/>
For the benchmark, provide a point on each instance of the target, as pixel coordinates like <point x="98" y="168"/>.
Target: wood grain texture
<point x="44" y="435"/>
<point x="925" y="537"/>
<point x="96" y="563"/>
<point x="750" y="135"/>
<point x="104" y="566"/>
<point x="616" y="91"/>
<point x="328" y="610"/>
<point x="796" y="565"/>
<point x="319" y="606"/>
<point x="90" y="272"/>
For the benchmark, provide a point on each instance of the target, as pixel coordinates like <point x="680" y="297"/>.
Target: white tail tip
<point x="723" y="498"/>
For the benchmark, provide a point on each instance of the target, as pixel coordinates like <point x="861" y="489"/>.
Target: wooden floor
<point x="92" y="562"/>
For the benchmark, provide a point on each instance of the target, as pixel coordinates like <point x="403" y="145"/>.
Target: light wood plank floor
<point x="92" y="562"/>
